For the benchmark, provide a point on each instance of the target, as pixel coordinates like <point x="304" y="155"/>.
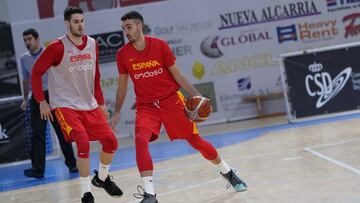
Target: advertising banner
<point x="229" y="50"/>
<point x="321" y="82"/>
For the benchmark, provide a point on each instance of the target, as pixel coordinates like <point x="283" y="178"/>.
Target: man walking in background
<point x="38" y="126"/>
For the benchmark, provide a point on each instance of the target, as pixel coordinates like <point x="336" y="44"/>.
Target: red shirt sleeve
<point x="51" y="56"/>
<point x="97" y="90"/>
<point x="168" y="56"/>
<point x="120" y="63"/>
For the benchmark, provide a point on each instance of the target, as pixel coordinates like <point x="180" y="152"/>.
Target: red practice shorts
<point x="169" y="112"/>
<point x="92" y="122"/>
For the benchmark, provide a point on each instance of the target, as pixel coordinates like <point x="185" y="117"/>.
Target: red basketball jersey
<point x="148" y="69"/>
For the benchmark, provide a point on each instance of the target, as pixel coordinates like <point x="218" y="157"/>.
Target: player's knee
<point x="82" y="143"/>
<point x="195" y="141"/>
<point x="142" y="136"/>
<point x="110" y="144"/>
<point x="83" y="148"/>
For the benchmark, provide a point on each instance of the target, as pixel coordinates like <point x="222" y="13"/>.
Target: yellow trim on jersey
<point x="182" y="99"/>
<point x="62" y="121"/>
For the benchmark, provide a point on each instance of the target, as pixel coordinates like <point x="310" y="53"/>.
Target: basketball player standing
<point x="76" y="97"/>
<point x="157" y="80"/>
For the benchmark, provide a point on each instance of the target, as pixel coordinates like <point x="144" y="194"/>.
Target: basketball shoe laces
<point x="140" y="194"/>
<point x="233" y="179"/>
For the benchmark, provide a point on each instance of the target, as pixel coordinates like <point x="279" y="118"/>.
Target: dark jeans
<point x="38" y="150"/>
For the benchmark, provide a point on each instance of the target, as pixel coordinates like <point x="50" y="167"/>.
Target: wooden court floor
<point x="315" y="163"/>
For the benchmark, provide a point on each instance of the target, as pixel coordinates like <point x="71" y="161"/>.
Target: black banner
<point x="9" y="79"/>
<point x="14" y="144"/>
<point x="323" y="82"/>
<point x="108" y="44"/>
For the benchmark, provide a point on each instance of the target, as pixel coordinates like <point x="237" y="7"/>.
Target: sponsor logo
<point x="108" y="44"/>
<point x="286" y="33"/>
<point x="308" y="31"/>
<point x="4" y="138"/>
<point x="244" y="84"/>
<point x="179" y="49"/>
<point x="144" y="65"/>
<point x="82" y="67"/>
<point x="225" y="67"/>
<point x="198" y="70"/>
<point x="338" y="5"/>
<point x="268" y="14"/>
<point x="211" y="46"/>
<point x="319" y="83"/>
<point x="352" y="29"/>
<point x="180" y="29"/>
<point x="80" y="57"/>
<point x="148" y="74"/>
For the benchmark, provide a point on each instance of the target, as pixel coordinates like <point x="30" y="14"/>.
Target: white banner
<point x="228" y="49"/>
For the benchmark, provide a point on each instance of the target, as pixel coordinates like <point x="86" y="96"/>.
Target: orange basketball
<point x="198" y="108"/>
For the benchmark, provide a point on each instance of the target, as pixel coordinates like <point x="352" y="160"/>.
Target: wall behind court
<point x="229" y="49"/>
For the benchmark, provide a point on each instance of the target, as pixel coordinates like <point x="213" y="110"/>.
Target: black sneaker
<point x="87" y="198"/>
<point x="110" y="187"/>
<point x="234" y="181"/>
<point x="33" y="174"/>
<point x="146" y="198"/>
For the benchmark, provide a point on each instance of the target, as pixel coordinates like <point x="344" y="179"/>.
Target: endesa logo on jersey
<point x="151" y="64"/>
<point x="319" y="83"/>
<point x="148" y="74"/>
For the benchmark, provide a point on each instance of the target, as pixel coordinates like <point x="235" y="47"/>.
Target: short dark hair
<point x="31" y="31"/>
<point x="71" y="10"/>
<point x="132" y="15"/>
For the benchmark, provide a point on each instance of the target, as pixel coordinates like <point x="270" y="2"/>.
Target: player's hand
<point x="115" y="119"/>
<point x="23" y="105"/>
<point x="45" y="111"/>
<point x="104" y="110"/>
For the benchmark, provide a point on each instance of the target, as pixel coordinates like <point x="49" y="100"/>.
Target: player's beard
<point x="76" y="32"/>
<point x="133" y="38"/>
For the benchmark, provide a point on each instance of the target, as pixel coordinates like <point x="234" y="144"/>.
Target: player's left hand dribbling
<point x="45" y="111"/>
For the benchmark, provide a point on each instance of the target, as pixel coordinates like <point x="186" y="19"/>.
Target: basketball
<point x="198" y="108"/>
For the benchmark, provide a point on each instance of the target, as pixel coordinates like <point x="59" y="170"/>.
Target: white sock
<point x="103" y="171"/>
<point x="224" y="167"/>
<point x="148" y="184"/>
<point x="85" y="184"/>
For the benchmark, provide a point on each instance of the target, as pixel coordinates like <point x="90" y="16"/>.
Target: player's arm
<point x="50" y="57"/>
<point x="98" y="94"/>
<point x="120" y="97"/>
<point x="26" y="85"/>
<point x="121" y="89"/>
<point x="169" y="61"/>
<point x="183" y="82"/>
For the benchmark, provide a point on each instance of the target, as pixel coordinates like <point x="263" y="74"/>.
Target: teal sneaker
<point x="234" y="181"/>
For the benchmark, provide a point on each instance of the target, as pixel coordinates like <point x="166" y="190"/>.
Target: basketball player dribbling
<point x="157" y="80"/>
<point x="75" y="94"/>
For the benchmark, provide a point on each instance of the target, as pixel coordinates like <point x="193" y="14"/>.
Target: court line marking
<point x="254" y="156"/>
<point x="334" y="161"/>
